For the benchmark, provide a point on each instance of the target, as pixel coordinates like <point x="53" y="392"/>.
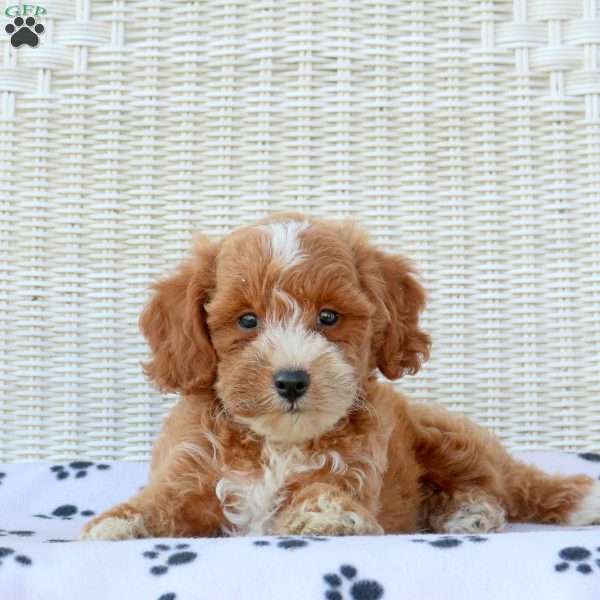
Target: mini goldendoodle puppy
<point x="273" y="336"/>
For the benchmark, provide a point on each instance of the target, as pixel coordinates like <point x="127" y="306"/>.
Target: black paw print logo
<point x="20" y="559"/>
<point x="66" y="512"/>
<point x="449" y="541"/>
<point x="24" y="32"/>
<point x="80" y="469"/>
<point x="576" y="555"/>
<point x="182" y="556"/>
<point x="291" y="543"/>
<point x="2" y="476"/>
<point x="358" y="589"/>
<point x="168" y="596"/>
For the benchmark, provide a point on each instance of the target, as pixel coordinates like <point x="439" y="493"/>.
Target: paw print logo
<point x="2" y="476"/>
<point x="181" y="556"/>
<point x="66" y="512"/>
<point x="449" y="541"/>
<point x="78" y="468"/>
<point x="578" y="557"/>
<point x="24" y="31"/>
<point x="347" y="580"/>
<point x="20" y="559"/>
<point x="291" y="543"/>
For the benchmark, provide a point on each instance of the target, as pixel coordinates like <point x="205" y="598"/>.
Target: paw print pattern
<point x="2" y="476"/>
<point x="79" y="469"/>
<point x="591" y="456"/>
<point x="182" y="556"/>
<point x="66" y="512"/>
<point x="577" y="556"/>
<point x="17" y="532"/>
<point x="24" y="32"/>
<point x="291" y="543"/>
<point x="357" y="589"/>
<point x="20" y="559"/>
<point x="168" y="596"/>
<point x="449" y="541"/>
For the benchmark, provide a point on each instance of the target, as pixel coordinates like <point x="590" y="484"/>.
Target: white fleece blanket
<point x="43" y="507"/>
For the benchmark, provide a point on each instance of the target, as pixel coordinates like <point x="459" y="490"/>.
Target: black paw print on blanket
<point x="449" y="541"/>
<point x="17" y="532"/>
<point x="20" y="559"/>
<point x="77" y="468"/>
<point x="180" y="556"/>
<point x="578" y="557"/>
<point x="591" y="456"/>
<point x="66" y="512"/>
<point x="2" y="476"/>
<point x="347" y="581"/>
<point x="291" y="543"/>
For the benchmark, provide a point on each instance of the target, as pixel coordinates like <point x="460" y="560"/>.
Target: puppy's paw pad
<point x="588" y="512"/>
<point x="116" y="528"/>
<point x="478" y="517"/>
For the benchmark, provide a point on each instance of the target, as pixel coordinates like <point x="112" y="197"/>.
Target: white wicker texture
<point x="465" y="134"/>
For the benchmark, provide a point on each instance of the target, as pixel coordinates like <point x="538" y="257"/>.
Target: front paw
<point x="119" y="523"/>
<point x="347" y="523"/>
<point x="328" y="518"/>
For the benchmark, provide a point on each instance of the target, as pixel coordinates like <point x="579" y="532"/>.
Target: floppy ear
<point x="399" y="345"/>
<point x="174" y="324"/>
<point x="404" y="345"/>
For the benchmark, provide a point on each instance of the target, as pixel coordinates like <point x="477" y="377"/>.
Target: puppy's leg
<point x="462" y="460"/>
<point x="532" y="495"/>
<point x="323" y="509"/>
<point x="122" y="522"/>
<point x="471" y="511"/>
<point x="160" y="510"/>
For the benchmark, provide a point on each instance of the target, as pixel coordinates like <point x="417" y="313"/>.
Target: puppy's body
<point x="273" y="337"/>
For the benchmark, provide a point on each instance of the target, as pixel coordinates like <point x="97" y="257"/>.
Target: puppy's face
<point x="291" y="326"/>
<point x="286" y="319"/>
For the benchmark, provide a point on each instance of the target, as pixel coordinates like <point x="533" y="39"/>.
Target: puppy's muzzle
<point x="291" y="385"/>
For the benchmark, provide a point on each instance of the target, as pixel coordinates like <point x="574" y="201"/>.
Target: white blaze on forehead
<point x="285" y="241"/>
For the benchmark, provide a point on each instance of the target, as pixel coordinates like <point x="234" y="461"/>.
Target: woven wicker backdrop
<point x="465" y="134"/>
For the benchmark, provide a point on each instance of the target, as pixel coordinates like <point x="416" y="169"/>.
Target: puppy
<point x="273" y="336"/>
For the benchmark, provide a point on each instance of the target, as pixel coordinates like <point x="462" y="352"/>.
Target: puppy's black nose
<point x="291" y="384"/>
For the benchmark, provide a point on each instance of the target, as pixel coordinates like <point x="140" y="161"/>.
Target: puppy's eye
<point x="328" y="317"/>
<point x="248" y="321"/>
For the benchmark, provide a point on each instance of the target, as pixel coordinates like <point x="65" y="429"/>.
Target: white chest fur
<point x="251" y="500"/>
